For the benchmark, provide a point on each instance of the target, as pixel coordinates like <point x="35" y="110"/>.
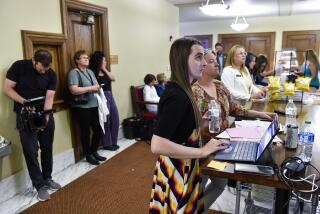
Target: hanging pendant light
<point x="238" y="26"/>
<point x="214" y="9"/>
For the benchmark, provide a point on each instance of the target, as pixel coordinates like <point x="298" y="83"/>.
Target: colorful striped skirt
<point x="176" y="187"/>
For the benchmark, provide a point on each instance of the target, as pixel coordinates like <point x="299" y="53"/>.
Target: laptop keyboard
<point x="244" y="150"/>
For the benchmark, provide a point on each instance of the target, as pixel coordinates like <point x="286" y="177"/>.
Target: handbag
<point x="72" y="99"/>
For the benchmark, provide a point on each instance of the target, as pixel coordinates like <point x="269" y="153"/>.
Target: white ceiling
<point x="189" y="9"/>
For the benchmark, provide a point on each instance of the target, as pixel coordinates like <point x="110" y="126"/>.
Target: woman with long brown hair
<point x="98" y="64"/>
<point x="311" y="67"/>
<point x="177" y="184"/>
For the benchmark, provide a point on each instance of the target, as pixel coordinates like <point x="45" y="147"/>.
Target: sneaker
<point x="110" y="148"/>
<point x="50" y="184"/>
<point x="92" y="160"/>
<point x="98" y="157"/>
<point x="43" y="194"/>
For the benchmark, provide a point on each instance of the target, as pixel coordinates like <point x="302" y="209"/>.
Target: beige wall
<point x="276" y="24"/>
<point x="138" y="31"/>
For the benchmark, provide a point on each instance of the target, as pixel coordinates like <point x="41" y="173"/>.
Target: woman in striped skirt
<point x="177" y="182"/>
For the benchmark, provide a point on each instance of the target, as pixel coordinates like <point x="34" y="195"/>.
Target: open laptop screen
<point x="267" y="137"/>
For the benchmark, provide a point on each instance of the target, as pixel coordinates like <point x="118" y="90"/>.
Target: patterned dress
<point x="227" y="105"/>
<point x="177" y="186"/>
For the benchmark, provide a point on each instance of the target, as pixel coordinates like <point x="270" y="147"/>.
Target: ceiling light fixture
<point x="214" y="9"/>
<point x="238" y="26"/>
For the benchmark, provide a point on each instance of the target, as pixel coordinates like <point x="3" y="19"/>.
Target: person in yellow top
<point x="236" y="77"/>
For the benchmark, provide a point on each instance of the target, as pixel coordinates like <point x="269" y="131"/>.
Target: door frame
<point x="102" y="16"/>
<point x="102" y="12"/>
<point x="285" y="35"/>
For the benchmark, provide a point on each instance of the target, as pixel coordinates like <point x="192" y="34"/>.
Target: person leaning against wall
<point x="104" y="77"/>
<point x="177" y="184"/>
<point x="86" y="114"/>
<point x="28" y="79"/>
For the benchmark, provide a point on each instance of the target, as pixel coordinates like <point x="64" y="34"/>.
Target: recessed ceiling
<point x="190" y="11"/>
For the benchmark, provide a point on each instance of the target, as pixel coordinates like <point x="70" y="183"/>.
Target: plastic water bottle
<point x="214" y="117"/>
<point x="308" y="139"/>
<point x="291" y="114"/>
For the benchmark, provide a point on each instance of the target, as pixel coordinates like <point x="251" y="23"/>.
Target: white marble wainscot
<point x="28" y="196"/>
<point x="20" y="182"/>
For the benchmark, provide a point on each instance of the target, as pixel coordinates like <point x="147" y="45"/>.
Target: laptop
<point x="248" y="151"/>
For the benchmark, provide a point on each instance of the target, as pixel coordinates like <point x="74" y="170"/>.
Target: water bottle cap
<point x="307" y="122"/>
<point x="291" y="100"/>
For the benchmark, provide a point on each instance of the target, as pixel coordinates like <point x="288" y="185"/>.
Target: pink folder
<point x="255" y="133"/>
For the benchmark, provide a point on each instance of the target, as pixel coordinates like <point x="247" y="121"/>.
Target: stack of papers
<point x="254" y="133"/>
<point x="247" y="130"/>
<point x="252" y="123"/>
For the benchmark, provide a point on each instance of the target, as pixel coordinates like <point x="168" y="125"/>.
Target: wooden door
<point x="301" y="41"/>
<point x="257" y="43"/>
<point x="206" y="40"/>
<point x="228" y="42"/>
<point x="83" y="35"/>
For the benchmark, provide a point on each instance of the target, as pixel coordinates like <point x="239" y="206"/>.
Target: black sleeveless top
<point x="106" y="81"/>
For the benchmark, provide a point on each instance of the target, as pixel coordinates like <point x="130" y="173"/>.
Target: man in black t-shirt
<point x="27" y="79"/>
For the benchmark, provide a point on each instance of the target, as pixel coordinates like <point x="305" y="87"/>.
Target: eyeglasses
<point x="243" y="53"/>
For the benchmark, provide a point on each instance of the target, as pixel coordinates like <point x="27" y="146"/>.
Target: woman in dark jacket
<point x="98" y="65"/>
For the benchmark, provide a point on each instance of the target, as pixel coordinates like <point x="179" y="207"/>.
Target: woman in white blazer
<point x="150" y="93"/>
<point x="236" y="77"/>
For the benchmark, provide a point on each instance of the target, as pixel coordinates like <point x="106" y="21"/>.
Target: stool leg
<point x="238" y="198"/>
<point x="315" y="202"/>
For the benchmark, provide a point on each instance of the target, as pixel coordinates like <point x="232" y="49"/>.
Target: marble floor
<point x="263" y="196"/>
<point x="27" y="198"/>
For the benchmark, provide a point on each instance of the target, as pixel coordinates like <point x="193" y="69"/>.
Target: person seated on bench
<point x="150" y="93"/>
<point x="162" y="80"/>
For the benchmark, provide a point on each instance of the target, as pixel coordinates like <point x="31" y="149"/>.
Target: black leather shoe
<point x="98" y="157"/>
<point x="116" y="147"/>
<point x="92" y="160"/>
<point x="110" y="148"/>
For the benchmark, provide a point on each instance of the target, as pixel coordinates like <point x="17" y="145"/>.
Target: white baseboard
<point x="20" y="182"/>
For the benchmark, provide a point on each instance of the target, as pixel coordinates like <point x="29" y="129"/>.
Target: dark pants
<point x="31" y="140"/>
<point x="111" y="127"/>
<point x="89" y="118"/>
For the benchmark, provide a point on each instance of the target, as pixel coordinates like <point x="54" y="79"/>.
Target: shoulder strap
<point x="80" y="79"/>
<point x="90" y="78"/>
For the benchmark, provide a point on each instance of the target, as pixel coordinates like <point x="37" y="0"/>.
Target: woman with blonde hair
<point x="177" y="186"/>
<point x="236" y="77"/>
<point x="311" y="67"/>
